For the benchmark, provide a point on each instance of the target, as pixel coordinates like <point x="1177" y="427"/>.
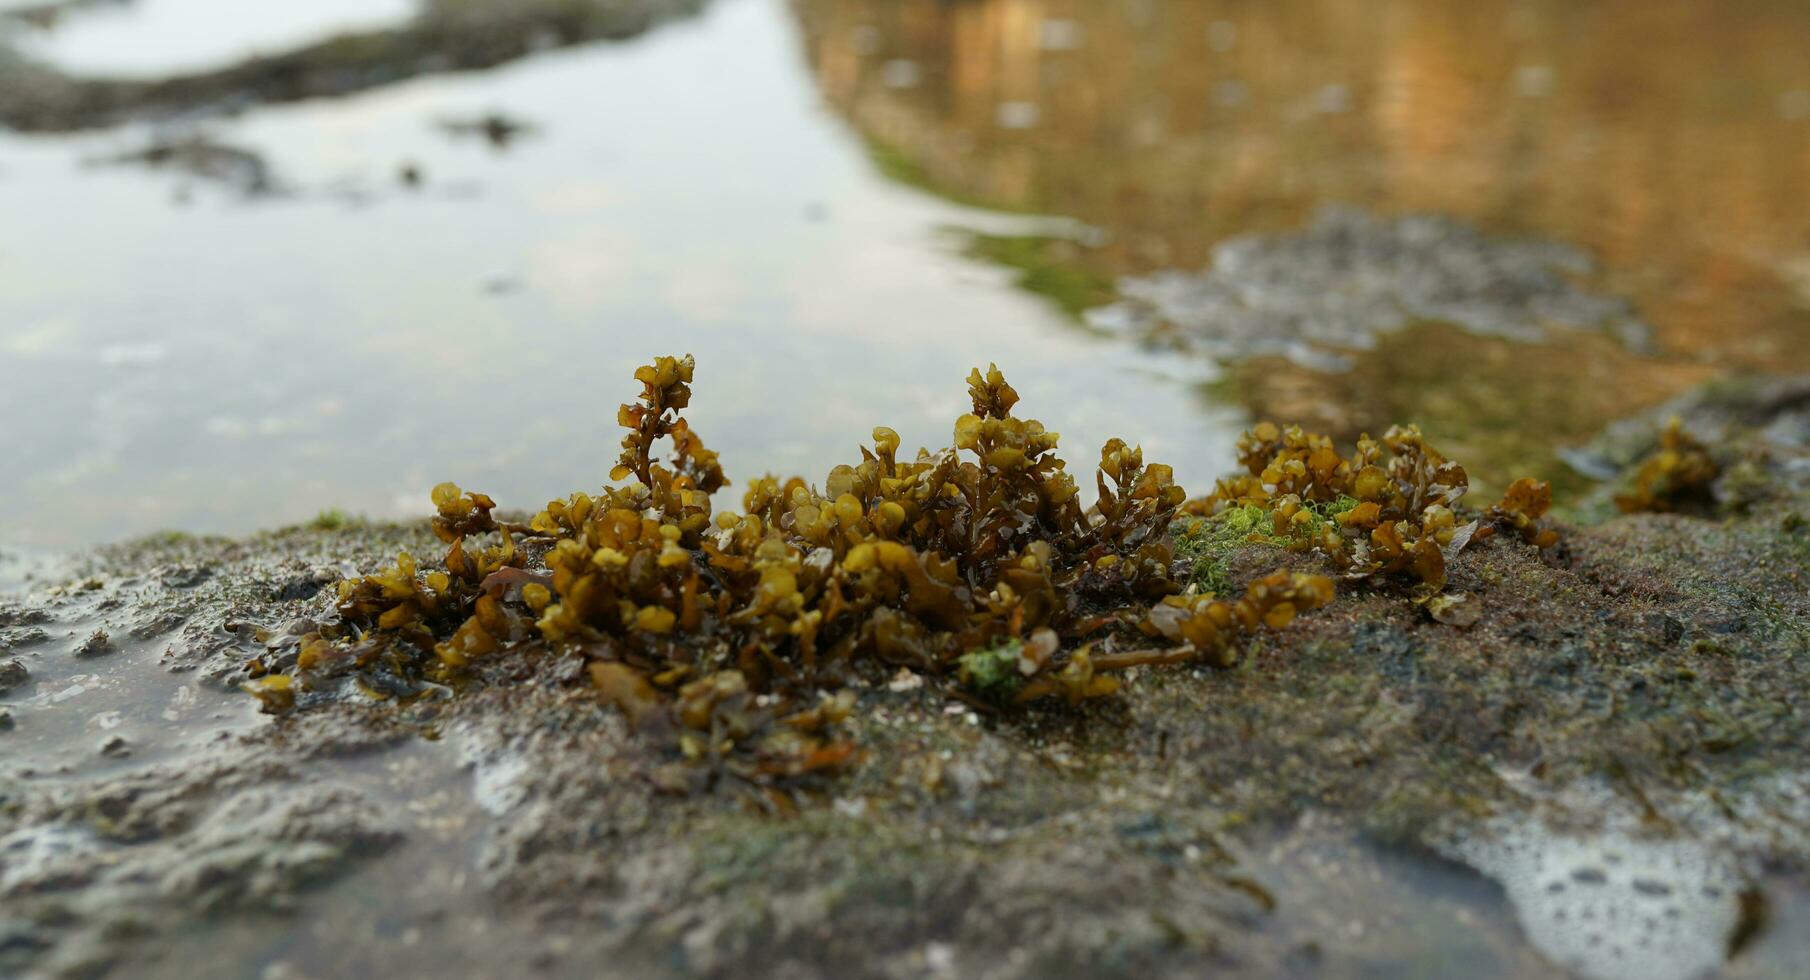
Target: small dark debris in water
<point x="13" y="676"/>
<point x="495" y="128"/>
<point x="201" y="156"/>
<point x="97" y="644"/>
<point x="6" y="720"/>
<point x="411" y="175"/>
<point x="116" y="747"/>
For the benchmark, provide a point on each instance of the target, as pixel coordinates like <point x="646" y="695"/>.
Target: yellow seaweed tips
<point x="886" y="441"/>
<point x="975" y="564"/>
<point x="1389" y="507"/>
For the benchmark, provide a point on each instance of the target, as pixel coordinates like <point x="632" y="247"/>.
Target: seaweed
<point x="734" y="637"/>
<point x="1678" y="475"/>
<point x="1390" y="508"/>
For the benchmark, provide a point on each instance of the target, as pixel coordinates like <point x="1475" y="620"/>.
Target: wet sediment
<point x="1622" y="720"/>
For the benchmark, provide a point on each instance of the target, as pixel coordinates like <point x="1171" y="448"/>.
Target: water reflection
<point x="227" y="366"/>
<point x="416" y="305"/>
<point x="1670" y="140"/>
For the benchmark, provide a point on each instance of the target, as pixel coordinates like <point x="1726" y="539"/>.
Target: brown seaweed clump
<point x="1390" y="507"/>
<point x="735" y="636"/>
<point x="1678" y="475"/>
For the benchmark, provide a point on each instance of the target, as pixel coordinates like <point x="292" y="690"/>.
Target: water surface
<point x="175" y="355"/>
<point x="274" y="322"/>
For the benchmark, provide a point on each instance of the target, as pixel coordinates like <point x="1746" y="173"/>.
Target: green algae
<point x="1476" y="394"/>
<point x="331" y="519"/>
<point x="993" y="672"/>
<point x="1046" y="267"/>
<point x="900" y="167"/>
<point x="1211" y="541"/>
<point x="1391" y="506"/>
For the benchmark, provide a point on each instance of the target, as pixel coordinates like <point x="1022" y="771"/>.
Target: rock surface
<point x="1371" y="792"/>
<point x="1349" y="276"/>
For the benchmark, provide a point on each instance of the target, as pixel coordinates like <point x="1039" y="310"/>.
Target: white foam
<point x="1611" y="905"/>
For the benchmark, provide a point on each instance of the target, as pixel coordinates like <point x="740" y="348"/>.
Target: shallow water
<point x="287" y="327"/>
<point x="1668" y="143"/>
<point x="227" y="365"/>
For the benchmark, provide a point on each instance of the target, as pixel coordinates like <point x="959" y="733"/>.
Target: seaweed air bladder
<point x="735" y="639"/>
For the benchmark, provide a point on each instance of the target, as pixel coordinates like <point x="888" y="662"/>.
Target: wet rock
<point x="13" y="675"/>
<point x="236" y="844"/>
<point x="98" y="644"/>
<point x="158" y="624"/>
<point x="184" y="576"/>
<point x="1350" y="276"/>
<point x="7" y="723"/>
<point x="23" y="615"/>
<point x="1754" y="427"/>
<point x="1386" y="644"/>
<point x="116" y="747"/>
<point x="445" y="37"/>
<point x="299" y="588"/>
<point x="19" y="638"/>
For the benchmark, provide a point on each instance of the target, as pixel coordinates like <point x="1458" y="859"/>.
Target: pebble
<point x="13" y="676"/>
<point x="97" y="644"/>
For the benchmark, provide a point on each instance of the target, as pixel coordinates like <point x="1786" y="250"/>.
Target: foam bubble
<point x="1613" y="906"/>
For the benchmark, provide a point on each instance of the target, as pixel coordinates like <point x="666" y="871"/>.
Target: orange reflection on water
<point x="1670" y="140"/>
